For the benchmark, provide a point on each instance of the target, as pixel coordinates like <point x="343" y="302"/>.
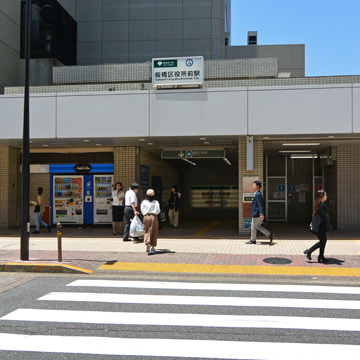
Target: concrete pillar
<point x="258" y="171"/>
<point x="126" y="165"/>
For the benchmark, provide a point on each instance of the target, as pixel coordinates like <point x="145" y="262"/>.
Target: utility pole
<point x="25" y="175"/>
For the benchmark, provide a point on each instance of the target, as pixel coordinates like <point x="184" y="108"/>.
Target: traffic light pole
<point x="25" y="175"/>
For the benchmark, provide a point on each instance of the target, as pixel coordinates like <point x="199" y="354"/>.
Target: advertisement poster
<point x="248" y="191"/>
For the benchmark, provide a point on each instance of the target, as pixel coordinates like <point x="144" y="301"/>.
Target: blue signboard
<point x="281" y="188"/>
<point x="291" y="188"/>
<point x="144" y="176"/>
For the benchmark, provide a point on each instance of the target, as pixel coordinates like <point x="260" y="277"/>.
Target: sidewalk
<point x="197" y="248"/>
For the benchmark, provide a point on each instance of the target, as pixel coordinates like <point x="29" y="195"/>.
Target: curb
<point x="43" y="268"/>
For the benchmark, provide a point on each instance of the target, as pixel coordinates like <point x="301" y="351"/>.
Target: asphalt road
<point x="69" y="317"/>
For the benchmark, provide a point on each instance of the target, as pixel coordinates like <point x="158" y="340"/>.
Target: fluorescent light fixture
<point x="141" y="139"/>
<point x="190" y="162"/>
<point x="294" y="151"/>
<point x="86" y="140"/>
<point x="150" y="143"/>
<point x="202" y="138"/>
<point x="303" y="156"/>
<point x="45" y="145"/>
<point x="206" y="143"/>
<point x="98" y="144"/>
<point x="227" y="161"/>
<point x="301" y="144"/>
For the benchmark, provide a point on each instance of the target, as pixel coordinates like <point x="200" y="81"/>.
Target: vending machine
<point x="103" y="186"/>
<point x="68" y="199"/>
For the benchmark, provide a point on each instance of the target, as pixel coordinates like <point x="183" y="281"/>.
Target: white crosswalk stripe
<point x="181" y="307"/>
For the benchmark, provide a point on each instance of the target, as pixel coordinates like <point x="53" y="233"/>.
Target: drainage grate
<point x="277" y="260"/>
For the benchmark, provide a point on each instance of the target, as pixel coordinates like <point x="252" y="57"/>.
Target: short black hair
<point x="134" y="186"/>
<point x="258" y="183"/>
<point x="175" y="188"/>
<point x="40" y="189"/>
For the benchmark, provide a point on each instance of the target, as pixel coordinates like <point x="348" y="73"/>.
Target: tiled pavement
<point x="218" y="250"/>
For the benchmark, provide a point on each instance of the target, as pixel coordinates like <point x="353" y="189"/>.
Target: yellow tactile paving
<point x="232" y="269"/>
<point x="204" y="230"/>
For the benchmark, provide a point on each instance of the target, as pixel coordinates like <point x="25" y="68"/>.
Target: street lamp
<point x="25" y="174"/>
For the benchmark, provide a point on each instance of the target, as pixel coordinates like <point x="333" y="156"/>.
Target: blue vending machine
<point x="81" y="193"/>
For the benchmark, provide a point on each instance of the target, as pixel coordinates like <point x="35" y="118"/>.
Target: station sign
<point x="193" y="154"/>
<point x="178" y="72"/>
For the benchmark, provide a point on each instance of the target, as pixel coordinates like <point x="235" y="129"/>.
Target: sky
<point x="329" y="29"/>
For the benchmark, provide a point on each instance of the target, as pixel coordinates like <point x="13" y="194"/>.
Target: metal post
<point x="59" y="233"/>
<point x="25" y="177"/>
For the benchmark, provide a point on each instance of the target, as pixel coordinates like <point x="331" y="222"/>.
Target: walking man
<point x="130" y="209"/>
<point x="257" y="213"/>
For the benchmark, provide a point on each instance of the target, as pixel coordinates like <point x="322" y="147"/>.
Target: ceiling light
<point x="141" y="139"/>
<point x="86" y="140"/>
<point x="331" y="136"/>
<point x="150" y="143"/>
<point x="301" y="144"/>
<point x="227" y="161"/>
<point x="190" y="162"/>
<point x="304" y="156"/>
<point x="294" y="151"/>
<point x="266" y="138"/>
<point x="202" y="138"/>
<point x="45" y="145"/>
<point x="98" y="144"/>
<point x="206" y="143"/>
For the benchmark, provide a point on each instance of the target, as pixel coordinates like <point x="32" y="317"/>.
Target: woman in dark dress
<point x="323" y="227"/>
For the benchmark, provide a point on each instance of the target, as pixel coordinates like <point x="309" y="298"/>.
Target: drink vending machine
<point x="102" y="199"/>
<point x="68" y="199"/>
<point x="81" y="193"/>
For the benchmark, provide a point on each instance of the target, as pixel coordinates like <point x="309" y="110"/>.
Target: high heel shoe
<point x="307" y="254"/>
<point x="322" y="259"/>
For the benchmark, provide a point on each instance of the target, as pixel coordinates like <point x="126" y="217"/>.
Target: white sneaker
<point x="148" y="248"/>
<point x="153" y="250"/>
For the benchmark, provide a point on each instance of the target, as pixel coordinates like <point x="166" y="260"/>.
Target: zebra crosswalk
<point x="188" y="320"/>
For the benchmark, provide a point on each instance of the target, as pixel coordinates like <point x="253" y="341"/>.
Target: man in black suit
<point x="257" y="213"/>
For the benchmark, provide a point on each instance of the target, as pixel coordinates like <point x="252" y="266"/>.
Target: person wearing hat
<point x="40" y="204"/>
<point x="150" y="208"/>
<point x="130" y="209"/>
<point x="118" y="206"/>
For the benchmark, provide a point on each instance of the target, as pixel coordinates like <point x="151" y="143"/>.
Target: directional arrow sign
<point x="193" y="154"/>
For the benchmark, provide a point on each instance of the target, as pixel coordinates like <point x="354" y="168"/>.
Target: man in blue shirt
<point x="257" y="213"/>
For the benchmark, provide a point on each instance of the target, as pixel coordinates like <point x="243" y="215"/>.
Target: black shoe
<point x="322" y="259"/>
<point x="114" y="233"/>
<point x="250" y="242"/>
<point x="307" y="254"/>
<point x="271" y="237"/>
<point x="49" y="228"/>
<point x="127" y="240"/>
<point x="36" y="232"/>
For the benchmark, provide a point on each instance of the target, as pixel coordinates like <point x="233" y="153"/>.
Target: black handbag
<point x="315" y="224"/>
<point x="37" y="208"/>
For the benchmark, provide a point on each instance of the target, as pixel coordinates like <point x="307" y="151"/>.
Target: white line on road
<point x="203" y="300"/>
<point x="175" y="348"/>
<point x="217" y="286"/>
<point x="202" y="320"/>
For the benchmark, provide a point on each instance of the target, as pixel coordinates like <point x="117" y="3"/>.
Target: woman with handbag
<point x="321" y="224"/>
<point x="39" y="210"/>
<point x="150" y="208"/>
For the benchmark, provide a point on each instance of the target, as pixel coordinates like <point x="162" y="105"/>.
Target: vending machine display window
<point x="68" y="199"/>
<point x="103" y="191"/>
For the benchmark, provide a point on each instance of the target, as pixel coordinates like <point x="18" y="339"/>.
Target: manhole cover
<point x="277" y="260"/>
